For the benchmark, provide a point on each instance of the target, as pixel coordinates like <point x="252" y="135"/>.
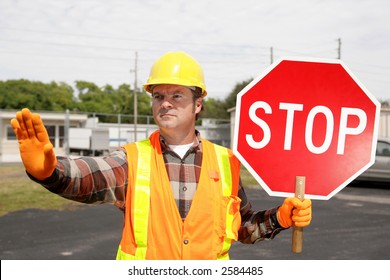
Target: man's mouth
<point x="166" y="114"/>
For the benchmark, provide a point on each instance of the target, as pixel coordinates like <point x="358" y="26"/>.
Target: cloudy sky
<point x="97" y="40"/>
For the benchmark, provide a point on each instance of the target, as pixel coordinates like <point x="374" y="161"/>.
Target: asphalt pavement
<point x="353" y="225"/>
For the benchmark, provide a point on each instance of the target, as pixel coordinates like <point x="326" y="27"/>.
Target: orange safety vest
<point x="153" y="228"/>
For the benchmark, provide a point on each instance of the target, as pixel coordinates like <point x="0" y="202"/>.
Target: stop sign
<point x="309" y="118"/>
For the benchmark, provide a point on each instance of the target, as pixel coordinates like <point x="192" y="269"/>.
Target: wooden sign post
<point x="298" y="231"/>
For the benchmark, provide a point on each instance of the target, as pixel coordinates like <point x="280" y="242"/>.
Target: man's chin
<point x="166" y="124"/>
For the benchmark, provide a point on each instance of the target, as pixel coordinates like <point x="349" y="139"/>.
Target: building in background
<point x="85" y="134"/>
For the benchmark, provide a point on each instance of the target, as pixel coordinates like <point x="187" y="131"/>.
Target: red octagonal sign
<point x="309" y="118"/>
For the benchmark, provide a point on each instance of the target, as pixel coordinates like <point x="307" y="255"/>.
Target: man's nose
<point x="166" y="103"/>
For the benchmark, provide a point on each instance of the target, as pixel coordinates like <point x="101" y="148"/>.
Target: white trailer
<point x="89" y="141"/>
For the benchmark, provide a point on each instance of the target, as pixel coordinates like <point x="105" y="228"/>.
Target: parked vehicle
<point x="380" y="170"/>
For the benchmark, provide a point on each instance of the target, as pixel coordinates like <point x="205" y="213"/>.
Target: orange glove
<point x="294" y="210"/>
<point x="35" y="148"/>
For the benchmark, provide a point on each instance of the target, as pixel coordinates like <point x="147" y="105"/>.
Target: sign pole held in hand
<point x="297" y="236"/>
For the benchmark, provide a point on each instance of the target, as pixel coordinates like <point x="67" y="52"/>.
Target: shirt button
<point x="184" y="188"/>
<point x="185" y="242"/>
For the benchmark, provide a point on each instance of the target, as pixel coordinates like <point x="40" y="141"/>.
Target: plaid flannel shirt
<point x="104" y="180"/>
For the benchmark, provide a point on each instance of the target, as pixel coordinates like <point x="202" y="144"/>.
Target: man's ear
<point x="198" y="105"/>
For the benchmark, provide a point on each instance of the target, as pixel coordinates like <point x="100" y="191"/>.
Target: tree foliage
<point x="86" y="96"/>
<point x="16" y="94"/>
<point x="215" y="108"/>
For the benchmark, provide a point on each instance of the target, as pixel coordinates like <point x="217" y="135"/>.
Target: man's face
<point x="173" y="107"/>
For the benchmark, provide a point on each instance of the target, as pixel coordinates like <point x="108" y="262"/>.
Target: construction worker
<point x="181" y="194"/>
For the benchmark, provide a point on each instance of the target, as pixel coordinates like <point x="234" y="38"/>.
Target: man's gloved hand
<point x="294" y="210"/>
<point x="35" y="148"/>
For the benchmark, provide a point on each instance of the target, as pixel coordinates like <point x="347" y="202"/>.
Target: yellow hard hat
<point x="176" y="68"/>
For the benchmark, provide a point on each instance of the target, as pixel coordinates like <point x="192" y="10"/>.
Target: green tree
<point x="17" y="94"/>
<point x="384" y="103"/>
<point x="122" y="99"/>
<point x="123" y="103"/>
<point x="144" y="105"/>
<point x="93" y="98"/>
<point x="215" y="108"/>
<point x="230" y="101"/>
<point x="62" y="96"/>
<point x="108" y="100"/>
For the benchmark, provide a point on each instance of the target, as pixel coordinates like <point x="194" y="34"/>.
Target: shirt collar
<point x="196" y="146"/>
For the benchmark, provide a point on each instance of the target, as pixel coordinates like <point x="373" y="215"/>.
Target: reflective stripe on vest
<point x="226" y="176"/>
<point x="142" y="203"/>
<point x="142" y="200"/>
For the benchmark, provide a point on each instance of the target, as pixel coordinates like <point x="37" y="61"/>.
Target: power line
<point x="217" y="52"/>
<point x="65" y="56"/>
<point x="131" y="39"/>
<point x="62" y="44"/>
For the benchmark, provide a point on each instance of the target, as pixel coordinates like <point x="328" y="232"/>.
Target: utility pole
<point x="339" y="48"/>
<point x="135" y="91"/>
<point x="66" y="132"/>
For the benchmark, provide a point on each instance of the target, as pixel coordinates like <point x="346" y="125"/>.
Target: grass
<point x="18" y="192"/>
<point x="247" y="179"/>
